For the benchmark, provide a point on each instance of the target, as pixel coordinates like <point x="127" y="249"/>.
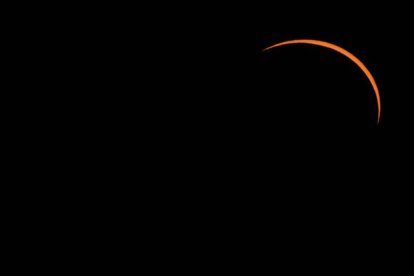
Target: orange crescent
<point x="343" y="52"/>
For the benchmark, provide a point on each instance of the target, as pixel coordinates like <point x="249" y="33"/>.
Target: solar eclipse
<point x="345" y="53"/>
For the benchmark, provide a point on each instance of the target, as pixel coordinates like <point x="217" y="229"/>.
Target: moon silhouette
<point x="343" y="52"/>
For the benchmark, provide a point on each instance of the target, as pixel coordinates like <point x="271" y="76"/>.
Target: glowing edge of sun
<point x="343" y="52"/>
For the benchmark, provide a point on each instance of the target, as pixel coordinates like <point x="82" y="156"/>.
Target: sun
<point x="343" y="52"/>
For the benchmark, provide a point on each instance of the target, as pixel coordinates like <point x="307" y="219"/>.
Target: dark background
<point x="191" y="87"/>
<point x="182" y="118"/>
<point x="183" y="113"/>
<point x="194" y="84"/>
